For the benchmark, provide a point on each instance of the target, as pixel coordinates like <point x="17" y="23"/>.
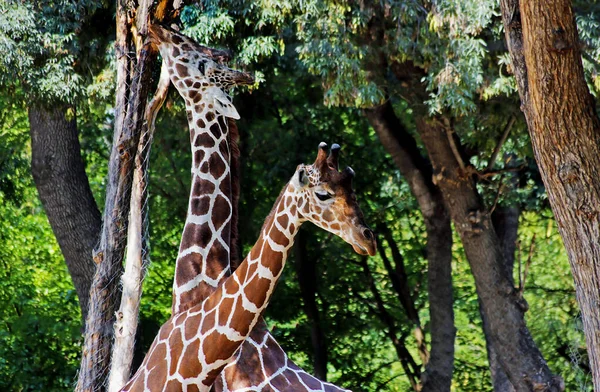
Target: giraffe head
<point x="326" y="198"/>
<point x="198" y="72"/>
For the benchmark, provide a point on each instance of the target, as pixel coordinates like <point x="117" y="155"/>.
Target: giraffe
<point x="204" y="252"/>
<point x="198" y="268"/>
<point x="193" y="347"/>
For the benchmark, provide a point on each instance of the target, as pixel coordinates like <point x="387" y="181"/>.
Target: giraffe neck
<point x="203" y="259"/>
<point x="224" y="320"/>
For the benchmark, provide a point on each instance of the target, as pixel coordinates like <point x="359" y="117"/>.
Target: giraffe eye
<point x="201" y="67"/>
<point x="323" y="195"/>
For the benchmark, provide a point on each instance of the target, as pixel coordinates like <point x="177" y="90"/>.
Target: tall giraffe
<point x="261" y="359"/>
<point x="204" y="252"/>
<point x="194" y="346"/>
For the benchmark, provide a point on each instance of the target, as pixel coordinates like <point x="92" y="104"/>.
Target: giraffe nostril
<point x="368" y="234"/>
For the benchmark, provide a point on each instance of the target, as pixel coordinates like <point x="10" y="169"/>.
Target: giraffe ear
<point x="224" y="106"/>
<point x="302" y="178"/>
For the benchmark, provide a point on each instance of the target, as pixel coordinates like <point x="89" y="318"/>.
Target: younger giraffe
<point x="194" y="346"/>
<point x="201" y="263"/>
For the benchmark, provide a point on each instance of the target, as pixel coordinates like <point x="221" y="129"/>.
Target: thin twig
<point x="453" y="147"/>
<point x="531" y="248"/>
<point x="507" y="128"/>
<point x="498" y="193"/>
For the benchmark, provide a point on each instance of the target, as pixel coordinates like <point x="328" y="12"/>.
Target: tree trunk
<point x="506" y="225"/>
<point x="500" y="300"/>
<point x="565" y="135"/>
<point x="133" y="83"/>
<point x="417" y="172"/>
<point x="59" y="174"/>
<point x="306" y="268"/>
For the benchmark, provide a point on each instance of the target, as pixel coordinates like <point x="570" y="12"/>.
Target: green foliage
<point x="42" y="47"/>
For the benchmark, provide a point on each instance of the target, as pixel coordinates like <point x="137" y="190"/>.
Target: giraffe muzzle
<point x="367" y="244"/>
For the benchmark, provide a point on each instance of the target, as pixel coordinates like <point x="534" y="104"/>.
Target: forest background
<point x="329" y="71"/>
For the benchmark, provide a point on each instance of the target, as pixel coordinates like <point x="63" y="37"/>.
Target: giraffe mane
<point x="234" y="136"/>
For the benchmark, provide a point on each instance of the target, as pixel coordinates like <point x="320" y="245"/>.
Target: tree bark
<point x="565" y="135"/>
<point x="59" y="174"/>
<point x="500" y="301"/>
<point x="306" y="268"/>
<point x="417" y="172"/>
<point x="133" y="83"/>
<point x="506" y="224"/>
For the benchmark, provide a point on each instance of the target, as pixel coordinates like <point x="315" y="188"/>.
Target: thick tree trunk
<point x="306" y="268"/>
<point x="565" y="135"/>
<point x="417" y="172"/>
<point x="500" y="300"/>
<point x="59" y="174"/>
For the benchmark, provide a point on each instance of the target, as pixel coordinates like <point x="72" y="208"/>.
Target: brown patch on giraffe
<point x="190" y="115"/>
<point x="293" y="210"/>
<point x="197" y="85"/>
<point x="280" y="239"/>
<point x="175" y="348"/>
<point x="221" y="212"/>
<point x="203" y="187"/>
<point x="156" y="376"/>
<point x="257" y="248"/>
<point x="292" y="227"/>
<point x="204" y="168"/>
<point x="188" y="82"/>
<point x="217" y="346"/>
<point x="327" y="216"/>
<point x="208" y="322"/>
<point x="241" y="319"/>
<point x="181" y="70"/>
<point x="193" y="95"/>
<point x="193" y="388"/>
<point x="216" y="261"/>
<point x="191" y="326"/>
<point x="256" y="290"/>
<point x="281" y="382"/>
<point x="200" y="123"/>
<point x="198" y="235"/>
<point x="198" y="98"/>
<point x="242" y="271"/>
<point x="203" y="139"/>
<point x="176" y="39"/>
<point x="198" y="155"/>
<point x="165" y="331"/>
<point x="175" y="51"/>
<point x="288" y="201"/>
<point x="335" y="226"/>
<point x="189" y="266"/>
<point x="283" y="220"/>
<point x="305" y="209"/>
<point x="191" y="366"/>
<point x="180" y="319"/>
<point x="231" y="287"/>
<point x="210" y="115"/>
<point x="311" y="382"/>
<point x="173" y="386"/>
<point x="186" y="47"/>
<point x="273" y="361"/>
<point x="212" y="375"/>
<point x="225" y="309"/>
<point x="216" y="129"/>
<point x="217" y="166"/>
